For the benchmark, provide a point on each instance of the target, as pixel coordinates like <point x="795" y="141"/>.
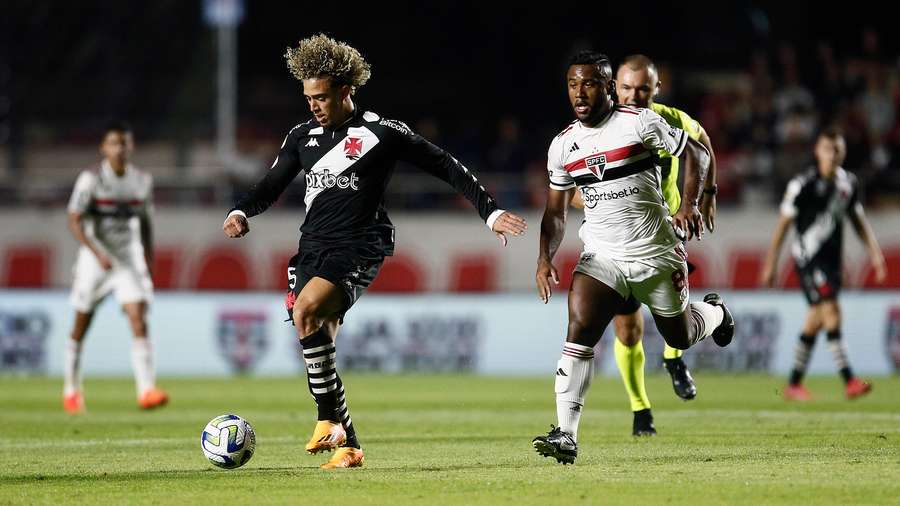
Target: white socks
<point x="704" y="319"/>
<point x="72" y="367"/>
<point x="142" y="364"/>
<point x="574" y="373"/>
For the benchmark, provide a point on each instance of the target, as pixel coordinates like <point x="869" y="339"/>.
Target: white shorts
<point x="659" y="282"/>
<point x="131" y="282"/>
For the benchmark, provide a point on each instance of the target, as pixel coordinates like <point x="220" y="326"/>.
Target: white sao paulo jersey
<point x="615" y="167"/>
<point x="111" y="205"/>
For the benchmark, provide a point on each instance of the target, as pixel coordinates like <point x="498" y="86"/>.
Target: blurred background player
<point x="348" y="155"/>
<point x="637" y="84"/>
<point x="630" y="245"/>
<point x="110" y="215"/>
<point x="815" y="202"/>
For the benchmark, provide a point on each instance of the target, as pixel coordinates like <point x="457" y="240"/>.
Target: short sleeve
<point x="656" y="133"/>
<point x="560" y="179"/>
<point x="82" y="193"/>
<point x="789" y="202"/>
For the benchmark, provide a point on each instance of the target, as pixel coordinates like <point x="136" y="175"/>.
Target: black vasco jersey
<point x="818" y="207"/>
<point x="347" y="171"/>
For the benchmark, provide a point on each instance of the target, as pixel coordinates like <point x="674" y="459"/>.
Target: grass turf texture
<point x="455" y="440"/>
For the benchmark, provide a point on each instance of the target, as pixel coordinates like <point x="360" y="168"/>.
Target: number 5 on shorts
<point x="292" y="277"/>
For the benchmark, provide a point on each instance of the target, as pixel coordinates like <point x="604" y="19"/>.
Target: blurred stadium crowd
<point x="760" y="103"/>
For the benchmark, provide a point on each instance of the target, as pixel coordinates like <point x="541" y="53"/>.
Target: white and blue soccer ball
<point x="228" y="441"/>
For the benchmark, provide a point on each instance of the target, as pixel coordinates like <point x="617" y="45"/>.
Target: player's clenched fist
<point x="236" y="226"/>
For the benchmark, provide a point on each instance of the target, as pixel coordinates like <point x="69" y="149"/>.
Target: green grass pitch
<point x="455" y="440"/>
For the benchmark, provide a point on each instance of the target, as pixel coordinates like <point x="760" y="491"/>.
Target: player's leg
<point x="831" y="322"/>
<point x="795" y="391"/>
<point x="315" y="314"/>
<point x="702" y="319"/>
<point x="591" y="304"/>
<point x="73" y="399"/>
<point x="142" y="364"/>
<point x="629" y="352"/>
<point x="682" y="381"/>
<point x="349" y="454"/>
<point x="89" y="288"/>
<point x="134" y="291"/>
<point x="323" y="286"/>
<point x="661" y="283"/>
<point x="670" y="353"/>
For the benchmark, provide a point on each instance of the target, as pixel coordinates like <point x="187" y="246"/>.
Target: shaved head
<point x="637" y="81"/>
<point x="639" y="62"/>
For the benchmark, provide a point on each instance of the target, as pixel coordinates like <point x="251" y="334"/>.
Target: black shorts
<point x="351" y="270"/>
<point x="819" y="281"/>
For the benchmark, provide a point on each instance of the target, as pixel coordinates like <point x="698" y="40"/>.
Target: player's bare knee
<point x="583" y="333"/>
<point x="831" y="316"/>
<point x="306" y="317"/>
<point x="139" y="328"/>
<point x="628" y="338"/>
<point x="811" y="330"/>
<point x="629" y="330"/>
<point x="137" y="323"/>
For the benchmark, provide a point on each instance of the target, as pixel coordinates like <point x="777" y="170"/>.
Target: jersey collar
<point x="357" y="111"/>
<point x="108" y="171"/>
<point x="603" y="120"/>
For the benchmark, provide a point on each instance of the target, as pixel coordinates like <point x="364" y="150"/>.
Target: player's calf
<point x="700" y="320"/>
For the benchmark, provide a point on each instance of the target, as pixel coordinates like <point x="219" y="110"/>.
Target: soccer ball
<point x="228" y="441"/>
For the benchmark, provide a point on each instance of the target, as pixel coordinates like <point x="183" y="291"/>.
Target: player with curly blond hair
<point x="347" y="155"/>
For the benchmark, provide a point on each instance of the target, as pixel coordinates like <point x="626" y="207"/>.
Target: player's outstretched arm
<point x="867" y="236"/>
<point x="767" y="276"/>
<point x="553" y="229"/>
<point x="266" y="192"/>
<point x="696" y="162"/>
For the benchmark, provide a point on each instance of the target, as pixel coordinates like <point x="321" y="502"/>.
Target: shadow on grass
<point x="276" y="471"/>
